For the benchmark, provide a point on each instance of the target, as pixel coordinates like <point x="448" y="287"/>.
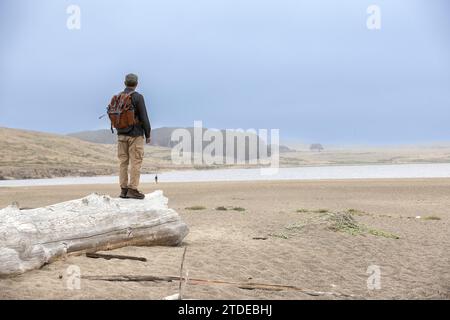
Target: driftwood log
<point x="31" y="238"/>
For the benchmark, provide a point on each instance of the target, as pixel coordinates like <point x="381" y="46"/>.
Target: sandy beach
<point x="300" y="247"/>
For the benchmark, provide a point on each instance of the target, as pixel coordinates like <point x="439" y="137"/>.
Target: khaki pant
<point x="130" y="151"/>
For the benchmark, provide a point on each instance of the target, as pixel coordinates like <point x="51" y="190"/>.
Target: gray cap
<point x="131" y="79"/>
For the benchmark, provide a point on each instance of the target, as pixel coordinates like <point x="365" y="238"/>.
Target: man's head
<point x="131" y="80"/>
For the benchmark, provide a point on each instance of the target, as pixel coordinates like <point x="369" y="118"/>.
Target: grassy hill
<point x="160" y="136"/>
<point x="30" y="154"/>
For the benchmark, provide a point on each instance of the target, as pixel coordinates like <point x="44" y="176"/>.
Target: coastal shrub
<point x="196" y="208"/>
<point x="431" y="218"/>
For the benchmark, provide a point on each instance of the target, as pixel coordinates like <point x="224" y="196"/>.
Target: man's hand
<point x="148" y="140"/>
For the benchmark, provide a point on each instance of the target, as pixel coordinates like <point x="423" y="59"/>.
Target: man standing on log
<point x="128" y="115"/>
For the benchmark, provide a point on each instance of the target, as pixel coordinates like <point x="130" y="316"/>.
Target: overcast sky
<point x="310" y="68"/>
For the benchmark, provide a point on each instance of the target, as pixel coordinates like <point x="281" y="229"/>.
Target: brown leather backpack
<point x="121" y="111"/>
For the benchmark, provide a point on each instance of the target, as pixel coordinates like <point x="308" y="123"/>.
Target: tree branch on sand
<point x="113" y="256"/>
<point x="180" y="287"/>
<point x="241" y="285"/>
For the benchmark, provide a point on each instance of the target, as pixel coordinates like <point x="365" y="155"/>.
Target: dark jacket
<point x="143" y="128"/>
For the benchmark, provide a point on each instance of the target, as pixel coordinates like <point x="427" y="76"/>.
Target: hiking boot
<point x="135" y="194"/>
<point x="123" y="194"/>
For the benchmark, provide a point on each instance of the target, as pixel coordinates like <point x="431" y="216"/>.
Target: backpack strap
<point x="135" y="115"/>
<point x="130" y="95"/>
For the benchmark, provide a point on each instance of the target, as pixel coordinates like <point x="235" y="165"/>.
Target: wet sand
<point x="221" y="245"/>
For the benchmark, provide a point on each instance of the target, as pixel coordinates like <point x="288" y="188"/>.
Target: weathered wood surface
<point x="32" y="238"/>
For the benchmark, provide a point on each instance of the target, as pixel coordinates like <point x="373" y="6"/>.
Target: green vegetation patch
<point x="279" y="235"/>
<point x="355" y="212"/>
<point x="381" y="233"/>
<point x="345" y="222"/>
<point x="196" y="208"/>
<point x="295" y="227"/>
<point x="431" y="218"/>
<point x="321" y="211"/>
<point x="223" y="208"/>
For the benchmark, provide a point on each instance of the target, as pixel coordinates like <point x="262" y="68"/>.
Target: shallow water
<point x="441" y="170"/>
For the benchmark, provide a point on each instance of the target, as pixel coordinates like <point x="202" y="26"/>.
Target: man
<point x="131" y="143"/>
